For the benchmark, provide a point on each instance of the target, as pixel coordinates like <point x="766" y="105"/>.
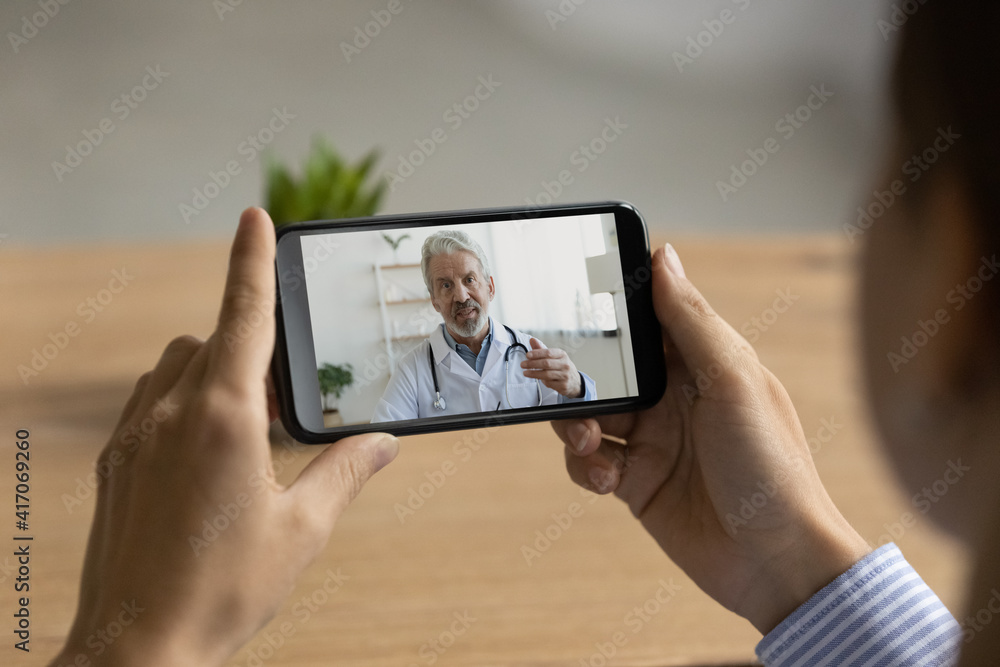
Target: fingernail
<point x="245" y="215"/>
<point x="673" y="261"/>
<point x="578" y="434"/>
<point x="387" y="449"/>
<point x="599" y="479"/>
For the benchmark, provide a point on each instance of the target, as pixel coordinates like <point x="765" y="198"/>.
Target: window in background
<point x="545" y="259"/>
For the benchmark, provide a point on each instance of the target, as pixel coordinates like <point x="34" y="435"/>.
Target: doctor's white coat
<point x="410" y="393"/>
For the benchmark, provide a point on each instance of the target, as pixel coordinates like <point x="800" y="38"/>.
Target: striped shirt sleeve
<point x="878" y="613"/>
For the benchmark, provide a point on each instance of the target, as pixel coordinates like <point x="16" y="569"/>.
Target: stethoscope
<point x="439" y="402"/>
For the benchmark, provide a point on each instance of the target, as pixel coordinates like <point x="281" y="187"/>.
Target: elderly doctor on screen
<point x="472" y="363"/>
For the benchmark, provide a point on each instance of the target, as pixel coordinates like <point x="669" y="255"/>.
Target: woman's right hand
<point x="719" y="471"/>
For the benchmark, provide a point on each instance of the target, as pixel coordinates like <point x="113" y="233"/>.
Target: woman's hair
<point x="948" y="76"/>
<point x="446" y="242"/>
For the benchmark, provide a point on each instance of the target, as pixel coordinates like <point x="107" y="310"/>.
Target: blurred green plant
<point x="333" y="380"/>
<point x="328" y="189"/>
<point x="394" y="243"/>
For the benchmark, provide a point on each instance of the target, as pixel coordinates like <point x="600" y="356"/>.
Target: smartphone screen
<point x="432" y="322"/>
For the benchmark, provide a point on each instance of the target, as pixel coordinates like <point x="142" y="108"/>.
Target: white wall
<point x="557" y="86"/>
<point x="343" y="301"/>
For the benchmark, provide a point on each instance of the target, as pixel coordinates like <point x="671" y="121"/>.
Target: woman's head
<point x="930" y="301"/>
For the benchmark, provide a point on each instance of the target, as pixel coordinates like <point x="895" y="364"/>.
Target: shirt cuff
<point x="879" y="612"/>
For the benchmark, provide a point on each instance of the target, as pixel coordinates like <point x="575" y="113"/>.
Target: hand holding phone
<point x="719" y="473"/>
<point x="163" y="545"/>
<point x="494" y="316"/>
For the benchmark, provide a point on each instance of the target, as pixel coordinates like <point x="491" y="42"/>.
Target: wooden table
<point x="459" y="556"/>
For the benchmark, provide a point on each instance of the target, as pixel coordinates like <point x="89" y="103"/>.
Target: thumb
<point x="701" y="336"/>
<point x="334" y="478"/>
<point x="536" y="344"/>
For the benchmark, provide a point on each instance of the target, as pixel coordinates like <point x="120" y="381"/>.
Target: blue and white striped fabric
<point x="880" y="612"/>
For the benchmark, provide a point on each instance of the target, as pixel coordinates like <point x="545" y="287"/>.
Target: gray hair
<point x="446" y="242"/>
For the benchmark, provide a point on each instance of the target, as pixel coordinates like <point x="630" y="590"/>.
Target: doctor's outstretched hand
<point x="192" y="596"/>
<point x="553" y="368"/>
<point x="698" y="456"/>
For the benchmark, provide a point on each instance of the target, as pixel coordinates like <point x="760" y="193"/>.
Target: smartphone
<point x="464" y="319"/>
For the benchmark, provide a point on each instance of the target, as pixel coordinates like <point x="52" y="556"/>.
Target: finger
<point x="172" y="364"/>
<point x="581" y="436"/>
<point x="557" y="380"/>
<point x="244" y="339"/>
<point x="133" y="401"/>
<point x="536" y="355"/>
<point x="541" y="364"/>
<point x="673" y="261"/>
<point x="559" y="385"/>
<point x="334" y="478"/>
<point x="599" y="471"/>
<point x="545" y="353"/>
<point x="694" y="329"/>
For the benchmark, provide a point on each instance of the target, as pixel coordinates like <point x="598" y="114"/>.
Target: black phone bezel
<point x="647" y="341"/>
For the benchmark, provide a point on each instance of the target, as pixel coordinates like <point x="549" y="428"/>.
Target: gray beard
<point x="471" y="326"/>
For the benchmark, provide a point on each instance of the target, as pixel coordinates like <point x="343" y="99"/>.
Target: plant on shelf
<point x="333" y="380"/>
<point x="394" y="244"/>
<point x="328" y="188"/>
